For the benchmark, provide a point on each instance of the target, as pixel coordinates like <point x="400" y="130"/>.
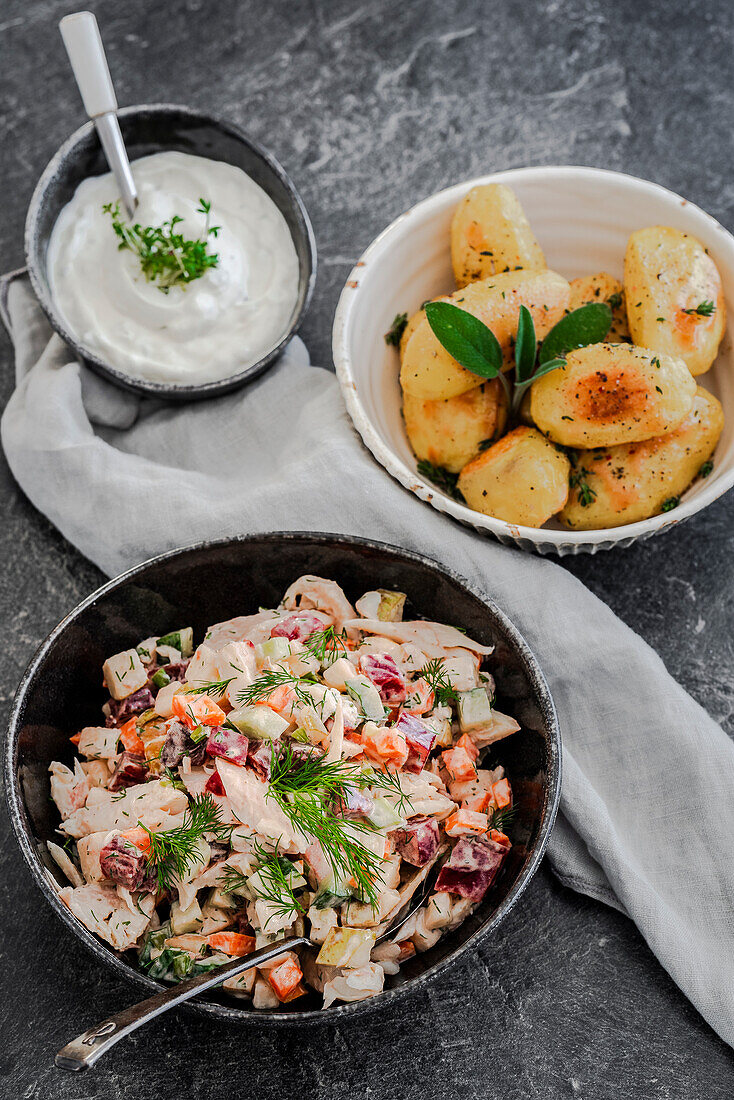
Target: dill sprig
<point x="274" y="872"/>
<point x="502" y="819"/>
<point x="704" y="309"/>
<point x="328" y="644"/>
<point x="166" y="257"/>
<point x="173" y="853"/>
<point x="307" y="791"/>
<point x="389" y="782"/>
<point x="267" y="682"/>
<point x="435" y="676"/>
<point x="214" y="688"/>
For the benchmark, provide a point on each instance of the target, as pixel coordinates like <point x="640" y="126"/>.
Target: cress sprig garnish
<point x="166" y="257"/>
<point x="174" y="852"/>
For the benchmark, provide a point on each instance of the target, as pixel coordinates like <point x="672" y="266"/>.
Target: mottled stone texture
<point x="372" y="106"/>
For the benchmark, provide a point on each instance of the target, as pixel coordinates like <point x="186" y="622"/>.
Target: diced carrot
<point x="501" y="793"/>
<point x="480" y="802"/>
<point x="197" y="710"/>
<point x="421" y="698"/>
<point x="232" y="943"/>
<point x="75" y="739"/>
<point x="466" y="821"/>
<point x="459" y="764"/>
<point x="465" y="742"/>
<point x="407" y="950"/>
<point x="501" y="838"/>
<point x="297" y="992"/>
<point x="139" y="837"/>
<point x="285" y="978"/>
<point x="281" y="700"/>
<point x="386" y="746"/>
<point x="129" y="736"/>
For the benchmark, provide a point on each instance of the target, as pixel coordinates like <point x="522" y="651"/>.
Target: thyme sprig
<point x="704" y="309"/>
<point x="166" y="257"/>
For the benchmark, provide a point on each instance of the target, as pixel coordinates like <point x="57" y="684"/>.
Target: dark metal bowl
<point x="153" y="129"/>
<point x="61" y="692"/>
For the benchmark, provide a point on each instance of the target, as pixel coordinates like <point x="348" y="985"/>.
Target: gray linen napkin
<point x="647" y="805"/>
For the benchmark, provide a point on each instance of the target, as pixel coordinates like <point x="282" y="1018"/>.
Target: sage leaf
<point x="546" y="368"/>
<point x="587" y="325"/>
<point x="525" y="345"/>
<point x="466" y="338"/>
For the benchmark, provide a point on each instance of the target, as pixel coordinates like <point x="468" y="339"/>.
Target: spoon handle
<point x="88" y="62"/>
<point x="83" y="1052"/>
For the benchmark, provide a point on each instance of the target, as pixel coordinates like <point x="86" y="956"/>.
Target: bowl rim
<point x="27" y="843"/>
<point x="543" y="538"/>
<point x="168" y="390"/>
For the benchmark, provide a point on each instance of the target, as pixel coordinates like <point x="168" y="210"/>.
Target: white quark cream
<point x="209" y="329"/>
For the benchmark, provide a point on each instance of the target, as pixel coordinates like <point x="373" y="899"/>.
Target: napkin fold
<point x="647" y="809"/>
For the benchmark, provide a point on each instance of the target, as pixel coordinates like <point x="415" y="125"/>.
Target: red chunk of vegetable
<point x="125" y="863"/>
<point x="417" y="840"/>
<point x="229" y="744"/>
<point x="381" y="669"/>
<point x="122" y="709"/>
<point x="419" y="739"/>
<point x="259" y="758"/>
<point x="298" y="626"/>
<point x="131" y="769"/>
<point x="472" y="867"/>
<point x="214" y="784"/>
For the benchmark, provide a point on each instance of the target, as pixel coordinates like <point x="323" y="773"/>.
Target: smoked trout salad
<point x="302" y="770"/>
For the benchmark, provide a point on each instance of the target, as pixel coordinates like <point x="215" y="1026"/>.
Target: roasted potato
<point x="618" y="485"/>
<point x="490" y="234"/>
<point x="675" y="303"/>
<point x="408" y="331"/>
<point x="603" y="287"/>
<point x="429" y="372"/>
<point x="448" y="433"/>
<point x="522" y="479"/>
<point x="608" y="394"/>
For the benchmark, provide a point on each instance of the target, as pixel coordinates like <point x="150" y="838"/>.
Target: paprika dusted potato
<point x="607" y="394"/>
<point x="490" y="234"/>
<point x="675" y="303"/>
<point x="522" y="479"/>
<point x="448" y="433"/>
<point x="429" y="372"/>
<point x="618" y="485"/>
<point x="603" y="287"/>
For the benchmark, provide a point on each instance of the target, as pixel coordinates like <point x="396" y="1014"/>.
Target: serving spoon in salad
<point x="82" y="1052"/>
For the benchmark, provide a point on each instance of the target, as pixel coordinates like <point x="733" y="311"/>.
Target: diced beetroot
<point x="122" y="709"/>
<point x="259" y="758"/>
<point x="218" y="850"/>
<point x="417" y="840"/>
<point x="228" y="743"/>
<point x="131" y="768"/>
<point x="125" y="863"/>
<point x="177" y="671"/>
<point x="298" y="626"/>
<point x="214" y="784"/>
<point x="381" y="669"/>
<point x="179" y="743"/>
<point x="472" y="867"/>
<point x="419" y="739"/>
<point x="354" y="803"/>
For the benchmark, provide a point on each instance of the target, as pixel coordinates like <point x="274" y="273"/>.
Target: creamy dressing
<point x="210" y="329"/>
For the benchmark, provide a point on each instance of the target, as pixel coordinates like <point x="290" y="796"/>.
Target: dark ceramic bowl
<point x="61" y="692"/>
<point x="154" y="129"/>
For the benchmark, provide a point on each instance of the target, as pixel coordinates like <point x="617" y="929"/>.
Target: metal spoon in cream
<point x="209" y="329"/>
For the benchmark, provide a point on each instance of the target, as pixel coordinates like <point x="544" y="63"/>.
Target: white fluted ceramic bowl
<point x="582" y="218"/>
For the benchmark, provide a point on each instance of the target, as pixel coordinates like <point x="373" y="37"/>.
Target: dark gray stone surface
<point x="371" y="106"/>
